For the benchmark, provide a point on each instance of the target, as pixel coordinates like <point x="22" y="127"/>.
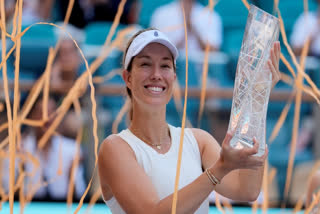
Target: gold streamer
<point x="296" y="119"/>
<point x="281" y="119"/>
<point x="8" y="106"/>
<point x="76" y="161"/>
<point x="93" y="200"/>
<point x="246" y="4"/>
<point x="124" y="109"/>
<point x="204" y="82"/>
<point x="175" y="194"/>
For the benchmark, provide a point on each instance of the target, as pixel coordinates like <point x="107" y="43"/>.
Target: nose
<point x="156" y="73"/>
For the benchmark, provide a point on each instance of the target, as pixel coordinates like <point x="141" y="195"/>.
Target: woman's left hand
<point x="273" y="63"/>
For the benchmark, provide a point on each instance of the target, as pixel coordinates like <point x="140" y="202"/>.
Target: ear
<point x="126" y="75"/>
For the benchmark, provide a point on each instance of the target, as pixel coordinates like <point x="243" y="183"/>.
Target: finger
<point x="254" y="149"/>
<point x="275" y="73"/>
<point x="227" y="138"/>
<point x="273" y="56"/>
<point x="265" y="154"/>
<point x="272" y="69"/>
<point x="278" y="51"/>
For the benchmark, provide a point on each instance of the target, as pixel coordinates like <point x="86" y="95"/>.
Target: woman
<point x="137" y="167"/>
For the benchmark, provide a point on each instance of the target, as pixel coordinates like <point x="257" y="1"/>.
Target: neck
<point x="150" y="125"/>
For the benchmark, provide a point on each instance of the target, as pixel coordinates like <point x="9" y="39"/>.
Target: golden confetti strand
<point x="93" y="200"/>
<point x="46" y="88"/>
<point x="97" y="62"/>
<point x="1" y="104"/>
<point x="32" y="97"/>
<point x="76" y="160"/>
<point x="275" y="5"/>
<point x="227" y="205"/>
<point x="175" y="193"/>
<point x="67" y="101"/>
<point x="254" y="207"/>
<point x="300" y="202"/>
<point x="289" y="81"/>
<point x="204" y="82"/>
<point x="4" y="142"/>
<point x="22" y="200"/>
<point x="74" y="168"/>
<point x="205" y="71"/>
<point x="68" y="13"/>
<point x="51" y="56"/>
<point x="33" y="123"/>
<point x="218" y="203"/>
<point x="107" y="77"/>
<point x="246" y="4"/>
<point x="296" y="119"/>
<point x="9" y="113"/>
<point x="124" y="109"/>
<point x="309" y="91"/>
<point x="177" y="96"/>
<point x="74" y="91"/>
<point x="6" y="56"/>
<point x="60" y="157"/>
<point x="281" y="119"/>
<point x="287" y="64"/>
<point x="3" y="127"/>
<point x="3" y="31"/>
<point x="301" y="71"/>
<point x="265" y="185"/>
<point x="14" y="21"/>
<point x="16" y="94"/>
<point x="315" y="202"/>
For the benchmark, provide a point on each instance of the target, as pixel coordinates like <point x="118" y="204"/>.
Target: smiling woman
<point x="137" y="167"/>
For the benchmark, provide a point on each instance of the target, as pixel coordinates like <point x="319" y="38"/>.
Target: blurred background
<point x="68" y="156"/>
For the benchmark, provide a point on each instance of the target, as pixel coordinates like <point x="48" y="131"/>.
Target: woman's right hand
<point x="232" y="158"/>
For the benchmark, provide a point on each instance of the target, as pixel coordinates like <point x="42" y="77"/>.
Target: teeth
<point x="156" y="89"/>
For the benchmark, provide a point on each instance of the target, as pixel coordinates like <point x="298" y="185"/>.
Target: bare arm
<point x="240" y="184"/>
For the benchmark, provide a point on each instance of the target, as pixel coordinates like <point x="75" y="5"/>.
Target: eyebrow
<point x="144" y="56"/>
<point x="148" y="57"/>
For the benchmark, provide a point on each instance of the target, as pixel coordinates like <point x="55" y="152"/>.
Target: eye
<point x="165" y="66"/>
<point x="145" y="64"/>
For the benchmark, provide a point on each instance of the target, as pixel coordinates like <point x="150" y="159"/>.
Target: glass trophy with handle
<point x="253" y="81"/>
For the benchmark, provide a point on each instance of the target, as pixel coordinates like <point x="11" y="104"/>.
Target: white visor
<point x="145" y="38"/>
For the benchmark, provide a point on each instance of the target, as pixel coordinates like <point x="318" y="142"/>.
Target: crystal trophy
<point x="253" y="81"/>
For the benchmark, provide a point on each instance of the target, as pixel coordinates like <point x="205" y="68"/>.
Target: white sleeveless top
<point x="161" y="168"/>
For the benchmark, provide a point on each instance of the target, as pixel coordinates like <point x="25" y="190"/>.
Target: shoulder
<point x="114" y="146"/>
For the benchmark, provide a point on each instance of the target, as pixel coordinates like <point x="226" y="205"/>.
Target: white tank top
<point x="161" y="168"/>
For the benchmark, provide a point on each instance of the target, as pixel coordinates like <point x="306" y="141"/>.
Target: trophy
<point x="253" y="81"/>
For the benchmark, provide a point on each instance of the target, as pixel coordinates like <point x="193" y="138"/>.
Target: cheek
<point x="170" y="76"/>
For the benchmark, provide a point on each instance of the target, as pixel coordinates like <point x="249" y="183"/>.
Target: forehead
<point x="156" y="49"/>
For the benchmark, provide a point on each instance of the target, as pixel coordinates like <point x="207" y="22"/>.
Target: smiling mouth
<point x="155" y="89"/>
